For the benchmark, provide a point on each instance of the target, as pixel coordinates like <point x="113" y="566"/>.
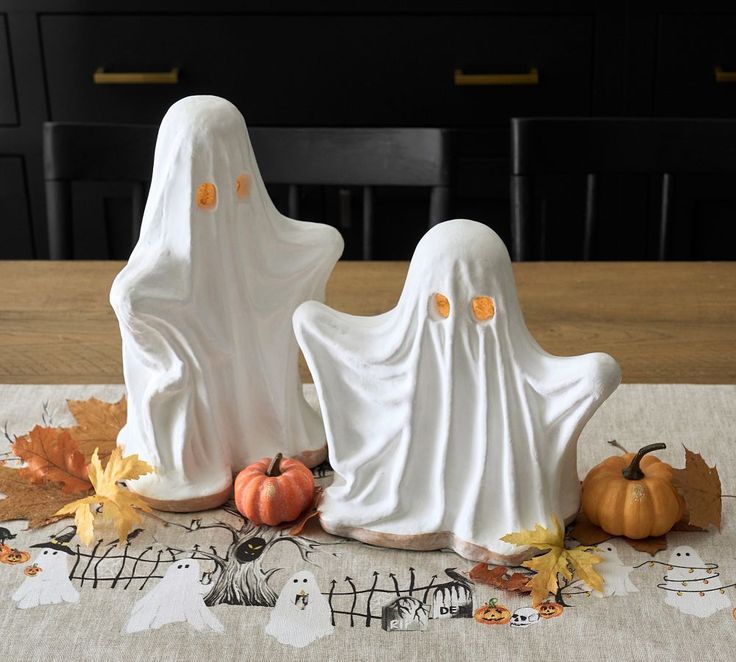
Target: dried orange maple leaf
<point x="36" y="503"/>
<point x="52" y="455"/>
<point x="700" y="486"/>
<point x="98" y="424"/>
<point x="497" y="577"/>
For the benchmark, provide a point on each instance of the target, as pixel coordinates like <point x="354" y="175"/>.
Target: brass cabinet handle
<point x="724" y="76"/>
<point x="529" y="78"/>
<point x="102" y="77"/>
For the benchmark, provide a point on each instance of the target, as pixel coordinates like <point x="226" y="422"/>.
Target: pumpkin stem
<point x="633" y="471"/>
<point x="274" y="469"/>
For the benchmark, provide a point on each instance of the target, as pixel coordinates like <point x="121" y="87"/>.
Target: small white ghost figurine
<point x="50" y="584"/>
<point x="177" y="598"/>
<point x="613" y="571"/>
<point x="205" y="305"/>
<point x="447" y="424"/>
<point x="302" y="614"/>
<point x="692" y="585"/>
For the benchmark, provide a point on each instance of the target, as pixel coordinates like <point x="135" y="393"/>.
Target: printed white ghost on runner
<point x="177" y="598"/>
<point x="302" y="614"/>
<point x="692" y="585"/>
<point x="50" y="584"/>
<point x="615" y="574"/>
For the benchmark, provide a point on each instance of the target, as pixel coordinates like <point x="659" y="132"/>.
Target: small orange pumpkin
<point x="274" y="491"/>
<point x="632" y="495"/>
<point x="550" y="609"/>
<point x="14" y="557"/>
<point x="32" y="570"/>
<point x="491" y="613"/>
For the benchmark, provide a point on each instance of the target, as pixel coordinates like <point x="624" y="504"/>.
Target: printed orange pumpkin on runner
<point x="272" y="491"/>
<point x="491" y="613"/>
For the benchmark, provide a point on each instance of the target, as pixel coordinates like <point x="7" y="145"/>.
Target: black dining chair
<point x="666" y="150"/>
<point x="343" y="157"/>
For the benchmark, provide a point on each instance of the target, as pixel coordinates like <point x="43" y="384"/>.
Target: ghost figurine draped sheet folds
<point x="205" y="305"/>
<point x="447" y="424"/>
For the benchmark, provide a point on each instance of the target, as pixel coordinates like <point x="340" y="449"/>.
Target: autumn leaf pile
<point x="67" y="471"/>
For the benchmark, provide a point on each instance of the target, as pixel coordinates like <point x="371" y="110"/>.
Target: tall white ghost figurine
<point x="692" y="585"/>
<point x="205" y="305"/>
<point x="177" y="598"/>
<point x="47" y="580"/>
<point x="615" y="574"/>
<point x="302" y="614"/>
<point x="447" y="424"/>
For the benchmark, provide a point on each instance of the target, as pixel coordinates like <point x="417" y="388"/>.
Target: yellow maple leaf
<point x="558" y="560"/>
<point x="539" y="536"/>
<point x="119" y="506"/>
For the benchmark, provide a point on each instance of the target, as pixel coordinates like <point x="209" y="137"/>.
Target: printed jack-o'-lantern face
<point x="492" y="613"/>
<point x="14" y="557"/>
<point x="32" y="570"/>
<point x="550" y="609"/>
<point x="249" y="550"/>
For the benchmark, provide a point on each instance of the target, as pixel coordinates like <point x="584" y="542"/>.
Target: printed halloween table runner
<point x="214" y="585"/>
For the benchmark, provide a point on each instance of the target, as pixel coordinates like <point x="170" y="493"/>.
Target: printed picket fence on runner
<point x="360" y="604"/>
<point x="130" y="571"/>
<point x="136" y="570"/>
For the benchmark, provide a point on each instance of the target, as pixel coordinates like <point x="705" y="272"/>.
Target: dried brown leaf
<point x="498" y="577"/>
<point x="35" y="503"/>
<point x="98" y="424"/>
<point x="52" y="455"/>
<point x="700" y="486"/>
<point x="587" y="533"/>
<point x="649" y="545"/>
<point x="313" y="510"/>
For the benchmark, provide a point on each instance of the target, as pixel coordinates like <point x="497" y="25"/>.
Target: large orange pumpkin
<point x="632" y="495"/>
<point x="275" y="490"/>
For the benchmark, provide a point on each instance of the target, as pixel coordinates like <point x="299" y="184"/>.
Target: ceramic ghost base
<point x="447" y="424"/>
<point x="205" y="305"/>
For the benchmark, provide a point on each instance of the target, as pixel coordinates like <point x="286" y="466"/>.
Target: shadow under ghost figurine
<point x="205" y="305"/>
<point x="447" y="424"/>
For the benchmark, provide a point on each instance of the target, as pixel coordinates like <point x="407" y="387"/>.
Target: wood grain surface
<point x="664" y="322"/>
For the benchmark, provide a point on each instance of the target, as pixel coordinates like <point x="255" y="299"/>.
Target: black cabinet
<point x="468" y="65"/>
<point x="16" y="235"/>
<point x="322" y="70"/>
<point x="696" y="65"/>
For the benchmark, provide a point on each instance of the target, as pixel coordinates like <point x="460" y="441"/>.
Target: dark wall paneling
<point x="16" y="233"/>
<point x="8" y="106"/>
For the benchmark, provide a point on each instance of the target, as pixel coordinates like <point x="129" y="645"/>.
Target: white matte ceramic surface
<point x="205" y="305"/>
<point x="449" y="432"/>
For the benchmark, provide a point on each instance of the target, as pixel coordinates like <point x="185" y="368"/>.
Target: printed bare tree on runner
<point x="241" y="578"/>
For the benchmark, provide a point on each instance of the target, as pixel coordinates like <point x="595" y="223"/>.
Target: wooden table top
<point x="664" y="322"/>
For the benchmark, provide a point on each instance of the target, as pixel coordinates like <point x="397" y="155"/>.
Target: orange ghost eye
<point x="242" y="185"/>
<point x="442" y="305"/>
<point x="483" y="308"/>
<point x="206" y="196"/>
